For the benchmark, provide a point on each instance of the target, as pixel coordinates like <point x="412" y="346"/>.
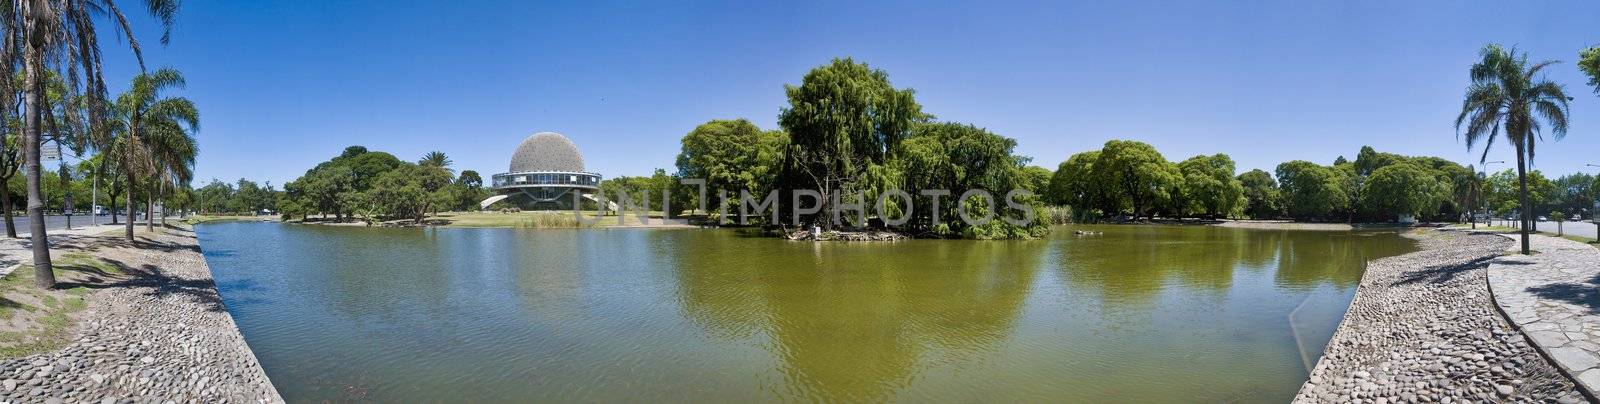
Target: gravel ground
<point x="1423" y="328"/>
<point x="160" y="336"/>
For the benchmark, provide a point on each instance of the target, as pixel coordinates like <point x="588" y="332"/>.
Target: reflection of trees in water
<point x="1336" y="258"/>
<point x="382" y="273"/>
<point x="548" y="271"/>
<point x="855" y="322"/>
<point x="1131" y="264"/>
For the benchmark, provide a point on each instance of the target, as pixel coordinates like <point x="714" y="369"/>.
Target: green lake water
<point x="1139" y="313"/>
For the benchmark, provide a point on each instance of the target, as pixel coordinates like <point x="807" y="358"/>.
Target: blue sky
<point x="284" y="85"/>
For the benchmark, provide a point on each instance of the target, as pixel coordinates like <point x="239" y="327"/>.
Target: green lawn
<point x="34" y="320"/>
<point x="548" y="219"/>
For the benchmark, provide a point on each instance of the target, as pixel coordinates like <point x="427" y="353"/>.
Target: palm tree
<point x="1507" y="94"/>
<point x="151" y="134"/>
<point x="435" y="159"/>
<point x="63" y="32"/>
<point x="172" y="150"/>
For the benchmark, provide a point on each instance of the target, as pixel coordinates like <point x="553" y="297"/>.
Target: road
<point x="1582" y="229"/>
<point x="57" y="222"/>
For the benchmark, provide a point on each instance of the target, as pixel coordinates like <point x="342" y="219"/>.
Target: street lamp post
<point x="1593" y="211"/>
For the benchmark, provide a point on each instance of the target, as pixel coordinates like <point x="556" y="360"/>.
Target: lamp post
<point x="1592" y="211"/>
<point x="1485" y="201"/>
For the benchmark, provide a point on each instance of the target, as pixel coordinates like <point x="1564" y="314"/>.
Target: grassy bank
<point x="546" y="220"/>
<point x="198" y="219"/>
<point x="34" y="320"/>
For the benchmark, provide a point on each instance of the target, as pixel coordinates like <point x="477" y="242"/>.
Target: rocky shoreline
<point x="1423" y="328"/>
<point x="161" y="334"/>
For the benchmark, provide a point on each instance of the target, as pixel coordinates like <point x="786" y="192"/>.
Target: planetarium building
<point x="546" y="173"/>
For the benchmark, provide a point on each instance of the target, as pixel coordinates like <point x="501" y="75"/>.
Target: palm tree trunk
<point x="113" y="207"/>
<point x="150" y="208"/>
<point x="128" y="231"/>
<point x="1522" y="186"/>
<point x="44" y="274"/>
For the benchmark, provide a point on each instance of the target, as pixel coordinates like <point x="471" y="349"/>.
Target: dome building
<point x="546" y="173"/>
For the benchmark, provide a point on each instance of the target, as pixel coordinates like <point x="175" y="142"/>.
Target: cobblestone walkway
<point x="1553" y="296"/>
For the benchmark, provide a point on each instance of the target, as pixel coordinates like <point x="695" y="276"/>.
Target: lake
<point x="1139" y="313"/>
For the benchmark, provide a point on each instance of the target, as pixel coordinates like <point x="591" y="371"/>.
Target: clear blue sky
<point x="284" y="85"/>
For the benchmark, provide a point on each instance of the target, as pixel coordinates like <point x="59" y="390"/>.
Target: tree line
<point x="56" y="96"/>
<point x="373" y="186"/>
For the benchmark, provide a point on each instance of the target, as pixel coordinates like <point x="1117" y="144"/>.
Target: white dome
<point x="546" y="151"/>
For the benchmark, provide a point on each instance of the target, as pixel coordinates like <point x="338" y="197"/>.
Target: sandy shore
<point x="1423" y="328"/>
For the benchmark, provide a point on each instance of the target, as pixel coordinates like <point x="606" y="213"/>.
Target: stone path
<point x="1423" y="328"/>
<point x="161" y="335"/>
<point x="1553" y="296"/>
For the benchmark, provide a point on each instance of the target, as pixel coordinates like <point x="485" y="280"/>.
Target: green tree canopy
<point x="1311" y="191"/>
<point x="1404" y="189"/>
<point x="1139" y="175"/>
<point x="1262" y="200"/>
<point x="960" y="157"/>
<point x="1589" y="63"/>
<point x="732" y="155"/>
<point x="845" y="121"/>
<point x="1209" y="186"/>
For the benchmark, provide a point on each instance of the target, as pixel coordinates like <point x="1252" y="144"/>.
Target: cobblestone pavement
<point x="1423" y="328"/>
<point x="162" y="335"/>
<point x="1553" y="296"/>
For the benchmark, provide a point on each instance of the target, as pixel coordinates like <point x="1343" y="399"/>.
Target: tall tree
<point x="435" y="159"/>
<point x="1138" y="173"/>
<point x="172" y="150"/>
<point x="1209" y="186"/>
<point x="1076" y="184"/>
<point x="1510" y="95"/>
<point x="64" y="31"/>
<point x="731" y="155"/>
<point x="1589" y="63"/>
<point x="1311" y="191"/>
<point x="148" y="125"/>
<point x="1260" y="193"/>
<point x="845" y="121"/>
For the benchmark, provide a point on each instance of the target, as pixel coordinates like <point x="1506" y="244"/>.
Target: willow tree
<point x="61" y="34"/>
<point x="845" y="123"/>
<point x="1136" y="173"/>
<point x="1508" y="95"/>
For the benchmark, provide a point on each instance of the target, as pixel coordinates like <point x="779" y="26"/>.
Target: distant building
<point x="546" y="173"/>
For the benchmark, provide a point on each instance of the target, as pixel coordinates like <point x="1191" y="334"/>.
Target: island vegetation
<point x="849" y="133"/>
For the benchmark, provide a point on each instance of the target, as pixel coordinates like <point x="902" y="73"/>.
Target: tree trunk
<point x="150" y="209"/>
<point x="44" y="274"/>
<point x="128" y="230"/>
<point x="1522" y="187"/>
<point x="113" y="207"/>
<point x="5" y="203"/>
